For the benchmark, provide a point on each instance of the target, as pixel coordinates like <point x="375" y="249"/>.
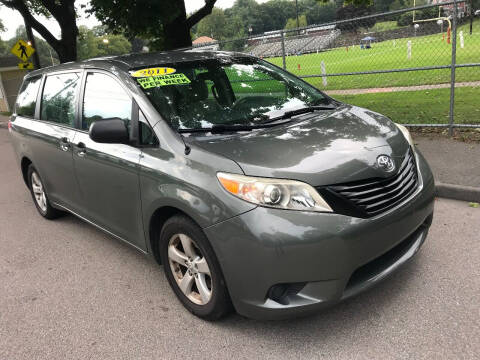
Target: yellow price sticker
<point x="153" y="72"/>
<point x="163" y="80"/>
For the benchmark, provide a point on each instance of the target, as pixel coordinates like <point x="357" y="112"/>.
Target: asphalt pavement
<point x="452" y="161"/>
<point x="69" y="291"/>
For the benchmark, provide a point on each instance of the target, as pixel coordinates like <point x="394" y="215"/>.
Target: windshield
<point x="230" y="91"/>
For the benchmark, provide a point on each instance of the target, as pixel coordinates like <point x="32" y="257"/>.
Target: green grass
<point x="421" y="107"/>
<point x="426" y="51"/>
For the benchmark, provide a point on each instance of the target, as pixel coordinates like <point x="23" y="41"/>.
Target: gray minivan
<point x="256" y="191"/>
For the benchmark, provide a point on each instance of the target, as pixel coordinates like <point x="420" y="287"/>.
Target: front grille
<point x="367" y="198"/>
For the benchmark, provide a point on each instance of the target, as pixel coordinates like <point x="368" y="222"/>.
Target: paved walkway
<point x="401" y="88"/>
<point x="3" y="121"/>
<point x="452" y="162"/>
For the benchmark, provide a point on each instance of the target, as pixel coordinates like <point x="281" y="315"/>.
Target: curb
<point x="457" y="192"/>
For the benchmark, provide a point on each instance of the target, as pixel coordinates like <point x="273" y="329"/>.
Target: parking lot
<point x="68" y="290"/>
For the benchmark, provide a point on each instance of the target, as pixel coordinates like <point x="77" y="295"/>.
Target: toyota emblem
<point x="386" y="163"/>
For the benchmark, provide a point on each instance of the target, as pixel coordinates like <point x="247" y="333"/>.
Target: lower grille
<point x="367" y="198"/>
<point x="377" y="266"/>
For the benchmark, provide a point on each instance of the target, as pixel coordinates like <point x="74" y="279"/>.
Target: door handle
<point x="64" y="144"/>
<point x="81" y="149"/>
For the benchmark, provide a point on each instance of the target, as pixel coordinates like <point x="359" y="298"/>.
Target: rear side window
<point x="27" y="98"/>
<point x="104" y="99"/>
<point x="58" y="99"/>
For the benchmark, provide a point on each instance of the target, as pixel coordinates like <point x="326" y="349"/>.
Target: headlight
<point x="277" y="193"/>
<point x="406" y="134"/>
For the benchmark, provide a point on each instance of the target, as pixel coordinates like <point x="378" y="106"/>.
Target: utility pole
<point x="296" y="11"/>
<point x="31" y="40"/>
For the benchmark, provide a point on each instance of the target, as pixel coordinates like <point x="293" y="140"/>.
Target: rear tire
<point x="192" y="269"/>
<point x="39" y="195"/>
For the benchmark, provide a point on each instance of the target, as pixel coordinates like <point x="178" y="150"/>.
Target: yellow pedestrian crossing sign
<point x="26" y="65"/>
<point x="22" y="50"/>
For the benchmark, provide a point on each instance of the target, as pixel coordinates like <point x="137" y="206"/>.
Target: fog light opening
<point x="282" y="293"/>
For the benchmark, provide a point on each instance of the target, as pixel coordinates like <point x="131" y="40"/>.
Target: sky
<point x="12" y="19"/>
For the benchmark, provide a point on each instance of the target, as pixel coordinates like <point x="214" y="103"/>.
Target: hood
<point x="326" y="147"/>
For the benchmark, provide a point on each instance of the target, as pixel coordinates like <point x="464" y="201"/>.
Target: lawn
<point x="421" y="107"/>
<point x="391" y="54"/>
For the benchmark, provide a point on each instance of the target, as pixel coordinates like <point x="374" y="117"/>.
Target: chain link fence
<point x="419" y="66"/>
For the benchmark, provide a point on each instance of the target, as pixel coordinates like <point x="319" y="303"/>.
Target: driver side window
<point x="104" y="99"/>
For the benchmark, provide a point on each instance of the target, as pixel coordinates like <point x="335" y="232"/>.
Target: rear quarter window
<point x="59" y="97"/>
<point x="27" y="97"/>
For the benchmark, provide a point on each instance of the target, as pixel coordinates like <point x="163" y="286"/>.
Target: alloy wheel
<point x="190" y="269"/>
<point x="39" y="192"/>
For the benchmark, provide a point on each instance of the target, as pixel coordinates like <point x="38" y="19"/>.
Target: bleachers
<point x="321" y="42"/>
<point x="299" y="44"/>
<point x="293" y="46"/>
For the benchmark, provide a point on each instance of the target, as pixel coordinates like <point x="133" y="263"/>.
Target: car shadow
<point x="343" y="319"/>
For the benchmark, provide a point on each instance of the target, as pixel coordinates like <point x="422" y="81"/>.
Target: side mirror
<point x="109" y="131"/>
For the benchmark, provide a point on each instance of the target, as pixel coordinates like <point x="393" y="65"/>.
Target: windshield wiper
<point x="223" y="128"/>
<point x="291" y="113"/>
<point x="271" y="122"/>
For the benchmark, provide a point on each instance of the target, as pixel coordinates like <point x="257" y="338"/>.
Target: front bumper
<point x="317" y="258"/>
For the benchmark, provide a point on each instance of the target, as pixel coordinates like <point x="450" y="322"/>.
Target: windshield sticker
<point x="153" y="72"/>
<point x="163" y="80"/>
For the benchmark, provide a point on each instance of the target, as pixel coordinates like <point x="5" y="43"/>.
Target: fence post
<point x="453" y="67"/>
<point x="283" y="51"/>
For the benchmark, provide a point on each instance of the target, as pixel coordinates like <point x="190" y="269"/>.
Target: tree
<point x="164" y="22"/>
<point x="351" y="11"/>
<point x="292" y="23"/>
<point x="63" y="11"/>
<point x="222" y="27"/>
<point x="214" y="25"/>
<point x="383" y="5"/>
<point x="317" y="12"/>
<point x="90" y="45"/>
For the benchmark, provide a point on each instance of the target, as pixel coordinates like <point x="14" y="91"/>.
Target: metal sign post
<point x="31" y="41"/>
<point x="453" y="67"/>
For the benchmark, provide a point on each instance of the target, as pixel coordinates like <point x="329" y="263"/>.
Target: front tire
<point x="192" y="269"/>
<point x="39" y="195"/>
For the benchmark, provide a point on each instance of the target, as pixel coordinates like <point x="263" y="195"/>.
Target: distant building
<point x="206" y="43"/>
<point x="10" y="80"/>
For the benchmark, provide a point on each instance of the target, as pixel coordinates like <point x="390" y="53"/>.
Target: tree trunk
<point x="31" y="38"/>
<point x="177" y="32"/>
<point x="177" y="35"/>
<point x="68" y="43"/>
<point x="67" y="47"/>
<point x="67" y="50"/>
